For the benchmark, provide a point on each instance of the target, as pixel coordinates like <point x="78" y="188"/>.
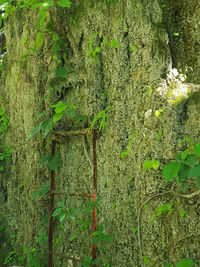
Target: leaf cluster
<point x="185" y="167"/>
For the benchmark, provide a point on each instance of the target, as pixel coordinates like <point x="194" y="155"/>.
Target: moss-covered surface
<point x="132" y="82"/>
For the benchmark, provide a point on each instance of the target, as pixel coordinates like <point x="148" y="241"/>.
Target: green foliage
<point x="185" y="166"/>
<point x="182" y="263"/>
<point x="160" y="210"/>
<point x="94" y="52"/>
<point x="102" y="115"/>
<point x="44" y="189"/>
<point x="53" y="161"/>
<point x="185" y="263"/>
<point x="148" y="164"/>
<point x="146" y="260"/>
<point x="114" y="44"/>
<point x="126" y="153"/>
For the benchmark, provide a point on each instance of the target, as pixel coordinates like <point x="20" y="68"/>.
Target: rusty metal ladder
<point x="55" y="136"/>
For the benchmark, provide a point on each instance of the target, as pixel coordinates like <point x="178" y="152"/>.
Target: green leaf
<point x="59" y="107"/>
<point x="43" y="15"/>
<point x="57" y="212"/>
<point x="183" y="172"/>
<point x="185" y="153"/>
<point x="39" y="40"/>
<point x="135" y="229"/>
<point x="191" y="160"/>
<point x="147" y="165"/>
<point x="58" y="116"/>
<point x="44" y="159"/>
<point x="184" y="186"/>
<point x="168" y="265"/>
<point x="194" y="171"/>
<point x="185" y="263"/>
<point x="55" y="161"/>
<point x="35" y="131"/>
<point x="42" y="114"/>
<point x="146" y="260"/>
<point x="64" y="3"/>
<point x="132" y="48"/>
<point x="171" y="170"/>
<point x="197" y="150"/>
<point x="123" y="154"/>
<point x="183" y="212"/>
<point x="61" y="72"/>
<point x="114" y="43"/>
<point x="46" y="126"/>
<point x="86" y="263"/>
<point x="45" y="4"/>
<point x="178" y="157"/>
<point x="62" y="216"/>
<point x="42" y="191"/>
<point x="197" y="182"/>
<point x="155" y="164"/>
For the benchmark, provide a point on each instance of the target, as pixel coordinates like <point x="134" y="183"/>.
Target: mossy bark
<point x="135" y="78"/>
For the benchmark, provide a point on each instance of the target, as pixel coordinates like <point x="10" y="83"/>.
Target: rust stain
<point x="51" y="208"/>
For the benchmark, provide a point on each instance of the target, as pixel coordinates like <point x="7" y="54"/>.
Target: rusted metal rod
<point x="94" y="213"/>
<point x="56" y="135"/>
<point x="51" y="208"/>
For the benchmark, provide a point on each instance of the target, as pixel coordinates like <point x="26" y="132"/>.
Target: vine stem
<point x="194" y="194"/>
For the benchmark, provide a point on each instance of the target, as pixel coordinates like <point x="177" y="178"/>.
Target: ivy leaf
<point x="59" y="107"/>
<point x="155" y="164"/>
<point x="45" y="4"/>
<point x="194" y="171"/>
<point x="171" y="170"/>
<point x="42" y="191"/>
<point x="184" y="186"/>
<point x="197" y="182"/>
<point x="185" y="263"/>
<point x="191" y="160"/>
<point x="64" y="3"/>
<point x="58" y="116"/>
<point x="178" y="157"/>
<point x="57" y="212"/>
<point x="197" y="150"/>
<point x="183" y="172"/>
<point x="44" y="159"/>
<point x="39" y="40"/>
<point x="147" y="165"/>
<point x="87" y="262"/>
<point x="43" y="15"/>
<point x="55" y="161"/>
<point x="34" y="131"/>
<point x="185" y="153"/>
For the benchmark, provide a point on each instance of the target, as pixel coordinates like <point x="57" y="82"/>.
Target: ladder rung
<point x="56" y="135"/>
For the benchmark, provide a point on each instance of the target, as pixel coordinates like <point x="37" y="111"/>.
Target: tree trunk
<point x="130" y="55"/>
